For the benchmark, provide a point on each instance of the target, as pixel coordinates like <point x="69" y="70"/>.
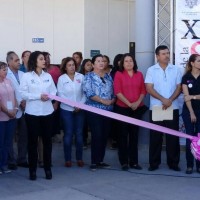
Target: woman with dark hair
<point x="116" y="64"/>
<point x="34" y="87"/>
<point x="25" y="58"/>
<point x="86" y="66"/>
<point x="78" y="57"/>
<point x="8" y="111"/>
<point x="98" y="88"/>
<point x="130" y="90"/>
<point x="106" y="61"/>
<point x="191" y="107"/>
<point x="70" y="86"/>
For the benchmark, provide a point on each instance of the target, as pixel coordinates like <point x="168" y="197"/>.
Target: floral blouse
<point x="94" y="85"/>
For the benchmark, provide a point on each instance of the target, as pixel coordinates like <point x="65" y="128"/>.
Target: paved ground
<point x="113" y="184"/>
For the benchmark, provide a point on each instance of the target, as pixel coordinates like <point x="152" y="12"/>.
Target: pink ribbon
<point x="195" y="145"/>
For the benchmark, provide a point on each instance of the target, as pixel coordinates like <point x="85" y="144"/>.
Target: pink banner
<point x="121" y="117"/>
<point x="195" y="144"/>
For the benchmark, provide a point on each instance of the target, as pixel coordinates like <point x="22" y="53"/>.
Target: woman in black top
<point x="191" y="107"/>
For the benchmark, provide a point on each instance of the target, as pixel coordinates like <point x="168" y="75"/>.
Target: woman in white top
<point x="34" y="87"/>
<point x="70" y="86"/>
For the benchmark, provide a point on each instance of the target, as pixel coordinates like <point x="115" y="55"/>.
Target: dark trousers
<point x="39" y="126"/>
<point x="100" y="128"/>
<point x="192" y="129"/>
<point x="128" y="137"/>
<point x="172" y="142"/>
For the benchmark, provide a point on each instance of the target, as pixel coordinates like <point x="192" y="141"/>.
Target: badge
<point x="190" y="85"/>
<point x="9" y="105"/>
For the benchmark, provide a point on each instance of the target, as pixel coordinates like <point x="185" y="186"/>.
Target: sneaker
<point x="6" y="170"/>
<point x="93" y="167"/>
<point x="103" y="165"/>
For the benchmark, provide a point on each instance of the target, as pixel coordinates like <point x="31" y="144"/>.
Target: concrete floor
<point x="110" y="184"/>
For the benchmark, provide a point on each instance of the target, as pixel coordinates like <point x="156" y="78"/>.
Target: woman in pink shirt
<point x="8" y="105"/>
<point x="130" y="90"/>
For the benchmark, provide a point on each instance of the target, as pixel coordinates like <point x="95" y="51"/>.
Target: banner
<point x="187" y="34"/>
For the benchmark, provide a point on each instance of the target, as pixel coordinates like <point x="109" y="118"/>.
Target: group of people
<point x="25" y="107"/>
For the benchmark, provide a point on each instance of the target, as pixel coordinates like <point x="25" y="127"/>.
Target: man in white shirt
<point x="163" y="83"/>
<point x="15" y="75"/>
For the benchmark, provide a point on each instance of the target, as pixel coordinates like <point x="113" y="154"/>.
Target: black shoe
<point x="32" y="176"/>
<point x="12" y="166"/>
<point x="25" y="165"/>
<point x="189" y="170"/>
<point x="135" y="166"/>
<point x="93" y="167"/>
<point x="153" y="168"/>
<point x="48" y="174"/>
<point x="103" y="165"/>
<point x="125" y="167"/>
<point x="175" y="168"/>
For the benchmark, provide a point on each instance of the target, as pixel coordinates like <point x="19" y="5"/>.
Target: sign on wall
<point x="37" y="40"/>
<point x="187" y="35"/>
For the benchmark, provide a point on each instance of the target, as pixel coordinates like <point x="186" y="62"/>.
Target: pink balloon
<point x="195" y="147"/>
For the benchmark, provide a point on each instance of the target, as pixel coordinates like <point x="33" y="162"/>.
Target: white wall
<point x="66" y="26"/>
<point x="11" y="26"/>
<point x="59" y="22"/>
<point x="109" y="26"/>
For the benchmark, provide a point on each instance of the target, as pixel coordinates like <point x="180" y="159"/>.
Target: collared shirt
<point x="164" y="82"/>
<point x="130" y="87"/>
<point x="16" y="83"/>
<point x="32" y="87"/>
<point x="94" y="85"/>
<point x="72" y="90"/>
<point x="193" y="85"/>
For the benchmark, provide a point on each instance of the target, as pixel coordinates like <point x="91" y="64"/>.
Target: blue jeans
<point x="7" y="130"/>
<point x="191" y="129"/>
<point x="72" y="123"/>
